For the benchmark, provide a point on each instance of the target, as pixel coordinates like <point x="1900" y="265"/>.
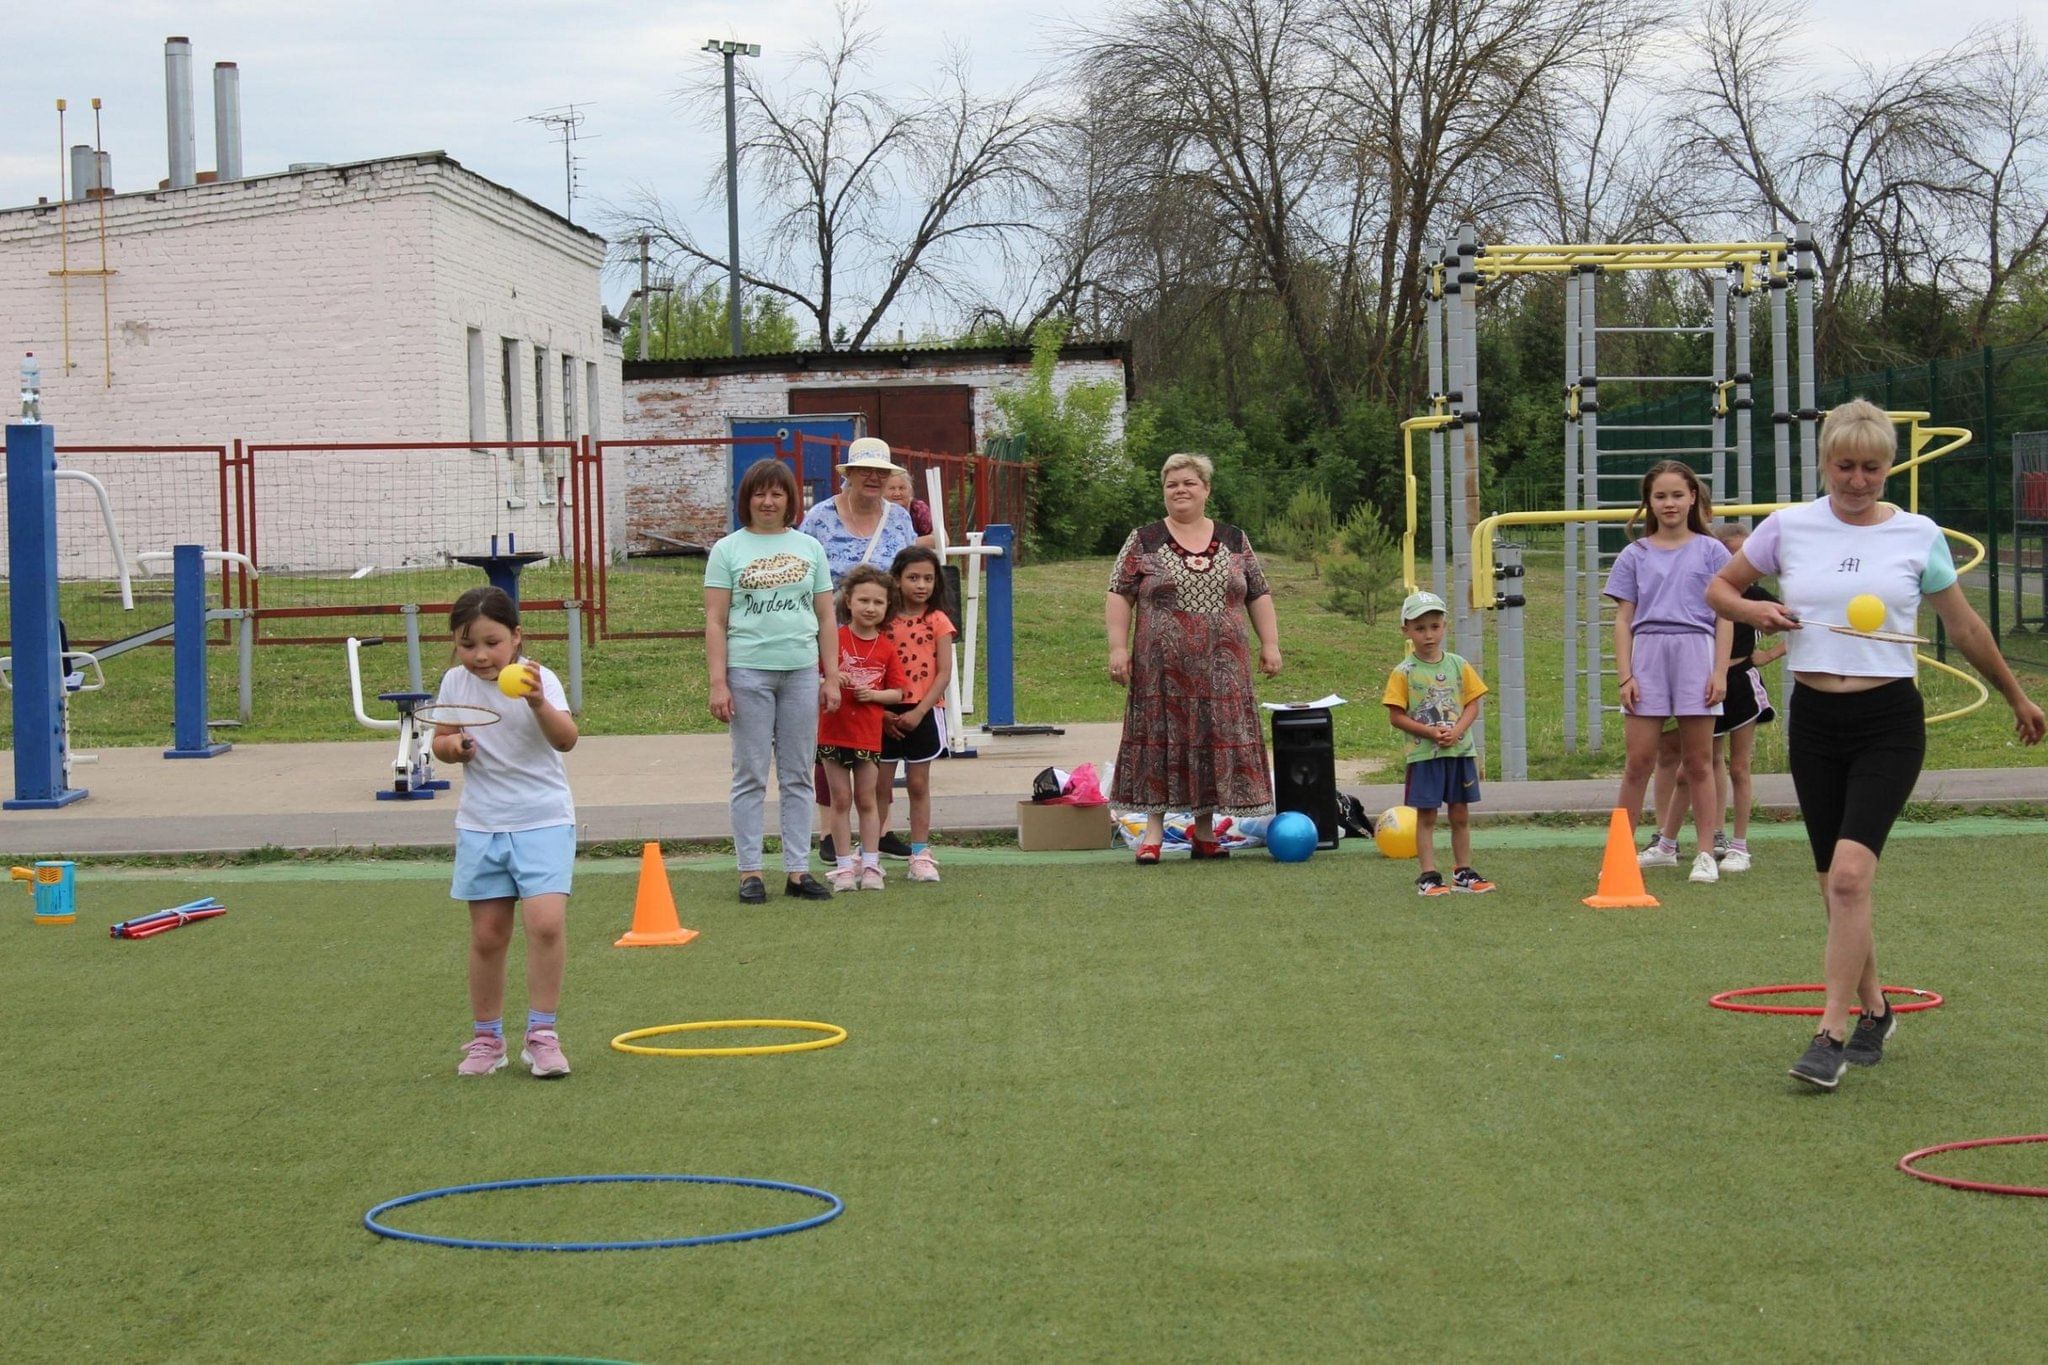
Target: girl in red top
<point x="850" y="739"/>
<point x="923" y="635"/>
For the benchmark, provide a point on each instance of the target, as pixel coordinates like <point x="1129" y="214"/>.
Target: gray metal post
<point x="1781" y="391"/>
<point x="1571" y="504"/>
<point x="732" y="203"/>
<point x="574" y="611"/>
<point x="415" y="677"/>
<point x="1745" y="452"/>
<point x="1509" y="599"/>
<point x="1589" y="444"/>
<point x="245" y="648"/>
<point x="1472" y="638"/>
<point x="644" y="299"/>
<point x="1809" y="416"/>
<point x="1454" y="392"/>
<point x="1434" y="346"/>
<point x="1717" y="301"/>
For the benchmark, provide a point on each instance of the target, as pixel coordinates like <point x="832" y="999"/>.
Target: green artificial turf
<point x="1086" y="1111"/>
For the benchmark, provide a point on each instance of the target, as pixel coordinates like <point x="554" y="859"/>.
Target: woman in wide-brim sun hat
<point x="857" y="525"/>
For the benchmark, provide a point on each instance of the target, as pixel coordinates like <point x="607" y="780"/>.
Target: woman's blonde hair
<point x="1204" y="470"/>
<point x="1861" y="426"/>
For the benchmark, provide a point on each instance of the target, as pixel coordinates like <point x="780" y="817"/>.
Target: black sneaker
<point x="1431" y="884"/>
<point x="1467" y="880"/>
<point x="826" y="850"/>
<point x="753" y="891"/>
<point x="1822" y="1063"/>
<point x="1866" y="1044"/>
<point x="892" y="847"/>
<point x="807" y="888"/>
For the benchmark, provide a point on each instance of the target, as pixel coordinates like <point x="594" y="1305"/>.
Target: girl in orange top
<point x="911" y="734"/>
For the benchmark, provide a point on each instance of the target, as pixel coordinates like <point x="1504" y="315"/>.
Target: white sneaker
<point x="1656" y="855"/>
<point x="1704" y="869"/>
<point x="843" y="879"/>
<point x="1735" y="860"/>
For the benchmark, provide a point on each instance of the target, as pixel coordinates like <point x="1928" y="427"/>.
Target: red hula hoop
<point x="1982" y="1186"/>
<point x="1727" y="1000"/>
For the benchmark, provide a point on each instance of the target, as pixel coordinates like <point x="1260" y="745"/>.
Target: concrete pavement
<point x="669" y="787"/>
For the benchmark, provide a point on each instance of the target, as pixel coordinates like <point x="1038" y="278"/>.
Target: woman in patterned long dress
<point x="1192" y="739"/>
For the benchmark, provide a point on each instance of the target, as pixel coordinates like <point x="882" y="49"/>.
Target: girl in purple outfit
<point x="1670" y="649"/>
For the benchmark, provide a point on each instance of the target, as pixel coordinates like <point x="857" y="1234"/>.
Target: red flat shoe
<point x="1203" y="849"/>
<point x="1148" y="855"/>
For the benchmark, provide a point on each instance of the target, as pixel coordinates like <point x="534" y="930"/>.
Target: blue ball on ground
<point x="1291" y="837"/>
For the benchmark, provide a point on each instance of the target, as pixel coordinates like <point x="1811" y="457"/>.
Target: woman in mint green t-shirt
<point x="768" y="625"/>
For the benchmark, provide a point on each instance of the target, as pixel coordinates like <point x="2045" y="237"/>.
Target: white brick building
<point x="937" y="399"/>
<point x="401" y="299"/>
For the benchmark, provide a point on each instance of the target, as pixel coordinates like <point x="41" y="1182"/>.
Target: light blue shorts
<point x="532" y="862"/>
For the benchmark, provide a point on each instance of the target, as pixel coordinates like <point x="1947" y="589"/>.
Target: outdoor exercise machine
<point x="1478" y="575"/>
<point x="996" y="546"/>
<point x="413" y="768"/>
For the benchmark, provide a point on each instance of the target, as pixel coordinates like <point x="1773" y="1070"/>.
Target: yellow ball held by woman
<point x="517" y="680"/>
<point x="1866" y="612"/>
<point x="1394" y="832"/>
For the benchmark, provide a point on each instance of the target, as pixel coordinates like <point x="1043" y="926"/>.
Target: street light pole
<point x="729" y="51"/>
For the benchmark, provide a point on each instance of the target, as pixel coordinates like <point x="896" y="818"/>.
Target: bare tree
<point x="2006" y="185"/>
<point x="1870" y="162"/>
<point x="872" y="200"/>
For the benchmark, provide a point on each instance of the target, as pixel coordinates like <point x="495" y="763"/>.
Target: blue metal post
<point x="37" y="670"/>
<point x="189" y="737"/>
<point x="1002" y="645"/>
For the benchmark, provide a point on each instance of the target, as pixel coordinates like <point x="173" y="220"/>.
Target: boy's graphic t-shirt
<point x="862" y="663"/>
<point x="1434" y="694"/>
<point x="918" y="640"/>
<point x="775" y="581"/>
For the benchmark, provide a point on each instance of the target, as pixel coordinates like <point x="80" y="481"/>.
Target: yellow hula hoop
<point x="834" y="1036"/>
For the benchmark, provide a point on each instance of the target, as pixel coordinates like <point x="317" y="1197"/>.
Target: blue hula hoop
<point x="835" y="1206"/>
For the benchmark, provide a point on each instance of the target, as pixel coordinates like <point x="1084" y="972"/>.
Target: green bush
<point x="1087" y="493"/>
<point x="1364" y="571"/>
<point x="1306" y="529"/>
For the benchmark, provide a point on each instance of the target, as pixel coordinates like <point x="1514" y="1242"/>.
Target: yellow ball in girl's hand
<point x="1866" y="612"/>
<point x="516" y="680"/>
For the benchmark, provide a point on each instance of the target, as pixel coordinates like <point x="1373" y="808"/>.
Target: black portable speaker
<point x="1305" y="768"/>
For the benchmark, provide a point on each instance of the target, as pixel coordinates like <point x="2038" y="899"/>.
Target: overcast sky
<point x="346" y="82"/>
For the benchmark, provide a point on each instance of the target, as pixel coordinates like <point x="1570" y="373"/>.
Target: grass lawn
<point x="1236" y="1111"/>
<point x="658" y="686"/>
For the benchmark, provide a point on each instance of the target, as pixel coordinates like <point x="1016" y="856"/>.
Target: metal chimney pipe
<point x="82" y="169"/>
<point x="103" y="174"/>
<point x="178" y="111"/>
<point x="227" y="121"/>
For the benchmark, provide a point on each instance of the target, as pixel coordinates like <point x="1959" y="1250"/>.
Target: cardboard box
<point x="1054" y="828"/>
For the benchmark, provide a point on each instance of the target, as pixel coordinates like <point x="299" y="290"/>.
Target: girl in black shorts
<point x="1858" y="730"/>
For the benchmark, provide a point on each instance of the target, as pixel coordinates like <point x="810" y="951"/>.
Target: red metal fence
<point x="368" y="528"/>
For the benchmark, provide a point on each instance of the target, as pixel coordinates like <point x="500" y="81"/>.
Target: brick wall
<point x="684" y="492"/>
<point x="325" y="305"/>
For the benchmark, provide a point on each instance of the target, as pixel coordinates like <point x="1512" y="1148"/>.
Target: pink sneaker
<point x="871" y="879"/>
<point x="843" y="879"/>
<point x="543" y="1054"/>
<point x="923" y="868"/>
<point x="482" y="1055"/>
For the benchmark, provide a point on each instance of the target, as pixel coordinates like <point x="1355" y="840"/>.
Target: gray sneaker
<point x="1866" y="1045"/>
<point x="1720" y="844"/>
<point x="1823" y="1062"/>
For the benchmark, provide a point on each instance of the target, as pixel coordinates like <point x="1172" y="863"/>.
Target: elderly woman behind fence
<point x="1192" y="739"/>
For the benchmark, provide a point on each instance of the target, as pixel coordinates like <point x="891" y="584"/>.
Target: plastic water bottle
<point x="31" y="389"/>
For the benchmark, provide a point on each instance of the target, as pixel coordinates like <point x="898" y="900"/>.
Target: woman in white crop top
<point x="1857" y="729"/>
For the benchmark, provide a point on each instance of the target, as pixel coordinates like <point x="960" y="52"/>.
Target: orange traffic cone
<point x="1621" y="879"/>
<point x="654" y="907"/>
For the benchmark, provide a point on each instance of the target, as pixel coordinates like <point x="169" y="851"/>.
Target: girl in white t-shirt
<point x="515" y="826"/>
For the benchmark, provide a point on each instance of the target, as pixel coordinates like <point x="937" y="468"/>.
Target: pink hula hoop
<point x="1729" y="1000"/>
<point x="1981" y="1186"/>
